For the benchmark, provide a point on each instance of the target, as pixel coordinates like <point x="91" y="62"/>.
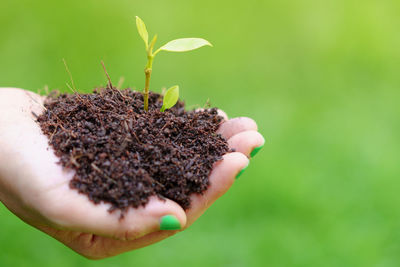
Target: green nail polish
<point x="255" y="150"/>
<point x="170" y="222"/>
<point x="241" y="171"/>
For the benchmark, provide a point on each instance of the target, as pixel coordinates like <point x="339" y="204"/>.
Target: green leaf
<point x="184" y="44"/>
<point x="170" y="98"/>
<point x="141" y="27"/>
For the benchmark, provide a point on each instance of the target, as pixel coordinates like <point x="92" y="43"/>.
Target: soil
<point x="123" y="155"/>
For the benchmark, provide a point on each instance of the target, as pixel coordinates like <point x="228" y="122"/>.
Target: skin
<point x="36" y="189"/>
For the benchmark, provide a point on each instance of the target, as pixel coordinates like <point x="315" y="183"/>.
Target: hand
<point x="36" y="189"/>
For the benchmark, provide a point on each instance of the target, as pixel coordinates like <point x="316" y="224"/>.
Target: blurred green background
<point x="321" y="78"/>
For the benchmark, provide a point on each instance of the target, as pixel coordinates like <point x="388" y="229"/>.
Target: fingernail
<point x="170" y="222"/>
<point x="255" y="150"/>
<point x="242" y="171"/>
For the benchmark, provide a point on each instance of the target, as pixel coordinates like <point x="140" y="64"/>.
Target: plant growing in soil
<point x="123" y="153"/>
<point x="177" y="45"/>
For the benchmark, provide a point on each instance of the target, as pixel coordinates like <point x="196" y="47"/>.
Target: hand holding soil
<point x="35" y="187"/>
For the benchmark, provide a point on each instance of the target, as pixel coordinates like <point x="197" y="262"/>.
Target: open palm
<point x="35" y="188"/>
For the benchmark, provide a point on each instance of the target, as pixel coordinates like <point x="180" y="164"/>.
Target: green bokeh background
<point x="321" y="78"/>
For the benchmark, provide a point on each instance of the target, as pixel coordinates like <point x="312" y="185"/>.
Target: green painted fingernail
<point x="170" y="222"/>
<point x="255" y="150"/>
<point x="242" y="171"/>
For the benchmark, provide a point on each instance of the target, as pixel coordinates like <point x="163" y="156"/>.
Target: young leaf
<point x="184" y="44"/>
<point x="141" y="27"/>
<point x="170" y="98"/>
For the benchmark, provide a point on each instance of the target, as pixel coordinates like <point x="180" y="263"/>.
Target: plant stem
<point x="147" y="72"/>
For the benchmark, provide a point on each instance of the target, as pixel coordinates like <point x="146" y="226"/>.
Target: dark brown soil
<point x="123" y="155"/>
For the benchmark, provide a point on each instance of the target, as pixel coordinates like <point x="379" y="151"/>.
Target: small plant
<point x="177" y="45"/>
<point x="171" y="96"/>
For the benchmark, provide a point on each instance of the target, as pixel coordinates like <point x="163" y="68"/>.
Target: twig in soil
<point x="109" y="80"/>
<point x="73" y="89"/>
<point x="74" y="162"/>
<point x="108" y="76"/>
<point x="70" y="88"/>
<point x="70" y="77"/>
<point x="134" y="134"/>
<point x="157" y="182"/>
<point x="53" y="133"/>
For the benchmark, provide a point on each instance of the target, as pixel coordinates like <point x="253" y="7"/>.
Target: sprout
<point x="178" y="45"/>
<point x="170" y="98"/>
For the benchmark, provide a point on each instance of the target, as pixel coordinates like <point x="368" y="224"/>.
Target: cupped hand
<point x="36" y="189"/>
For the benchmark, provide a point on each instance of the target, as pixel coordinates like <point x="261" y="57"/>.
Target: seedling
<point x="177" y="45"/>
<point x="134" y="135"/>
<point x="170" y="98"/>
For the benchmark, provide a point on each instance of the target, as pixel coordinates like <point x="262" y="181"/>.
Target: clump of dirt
<point x="123" y="155"/>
